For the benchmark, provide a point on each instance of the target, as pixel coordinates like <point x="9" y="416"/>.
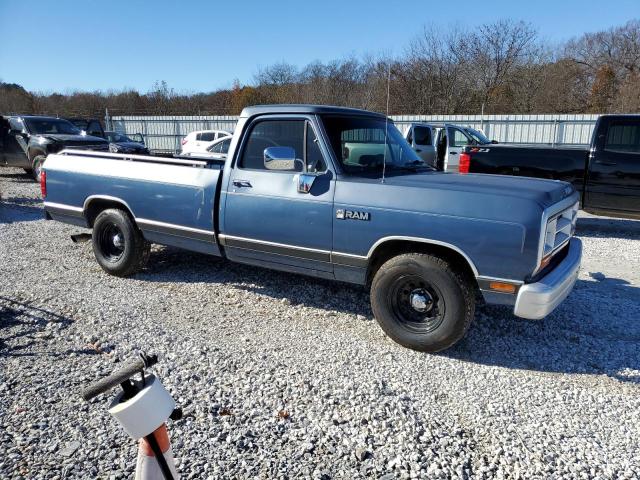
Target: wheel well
<point x="97" y="205"/>
<point x="393" y="248"/>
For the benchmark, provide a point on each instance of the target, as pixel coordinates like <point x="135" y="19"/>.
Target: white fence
<point x="164" y="133"/>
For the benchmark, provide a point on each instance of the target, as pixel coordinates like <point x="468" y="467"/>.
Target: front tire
<point x="421" y="302"/>
<point x="118" y="244"/>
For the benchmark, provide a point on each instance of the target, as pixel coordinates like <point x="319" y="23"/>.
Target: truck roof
<point x="310" y="109"/>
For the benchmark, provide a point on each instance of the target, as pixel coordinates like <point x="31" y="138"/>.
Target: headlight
<point x="559" y="230"/>
<point x="113" y="148"/>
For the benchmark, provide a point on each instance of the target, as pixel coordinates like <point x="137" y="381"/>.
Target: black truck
<point x="607" y="173"/>
<point x="25" y="141"/>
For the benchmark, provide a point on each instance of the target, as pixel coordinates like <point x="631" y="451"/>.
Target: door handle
<point x="242" y="183"/>
<point x="601" y="162"/>
<point x="453" y="153"/>
<point x="418" y="150"/>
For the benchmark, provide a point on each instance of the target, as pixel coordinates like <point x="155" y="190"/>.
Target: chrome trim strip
<point x="223" y="239"/>
<point x="496" y="279"/>
<point x="129" y="157"/>
<point x="154" y="223"/>
<point x="62" y="206"/>
<point x="425" y="240"/>
<point x="276" y="248"/>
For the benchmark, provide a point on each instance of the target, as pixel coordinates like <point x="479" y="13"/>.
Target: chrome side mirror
<point x="281" y="158"/>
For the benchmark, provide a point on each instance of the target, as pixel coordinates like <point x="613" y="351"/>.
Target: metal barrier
<point x="164" y="133"/>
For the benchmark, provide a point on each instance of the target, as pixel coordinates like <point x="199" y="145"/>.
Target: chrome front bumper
<point x="537" y="300"/>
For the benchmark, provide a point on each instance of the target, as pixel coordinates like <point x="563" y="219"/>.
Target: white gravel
<point x="285" y="376"/>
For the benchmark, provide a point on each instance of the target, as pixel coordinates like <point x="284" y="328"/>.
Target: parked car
<point x="606" y="173"/>
<point x="25" y="141"/>
<point x="439" y="145"/>
<point x="199" y="141"/>
<point x="121" y="143"/>
<point x="217" y="150"/>
<point x="335" y="193"/>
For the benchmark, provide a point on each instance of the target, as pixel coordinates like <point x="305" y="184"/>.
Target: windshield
<point x="117" y="137"/>
<point x="45" y="126"/>
<point x="479" y="137"/>
<point x="359" y="145"/>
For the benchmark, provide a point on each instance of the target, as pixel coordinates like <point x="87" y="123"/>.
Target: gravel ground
<point x="286" y="376"/>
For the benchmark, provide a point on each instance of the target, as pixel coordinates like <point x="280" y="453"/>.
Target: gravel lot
<point x="286" y="376"/>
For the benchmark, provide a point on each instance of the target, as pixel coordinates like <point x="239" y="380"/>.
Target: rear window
<point x="206" y="136"/>
<point x="623" y="137"/>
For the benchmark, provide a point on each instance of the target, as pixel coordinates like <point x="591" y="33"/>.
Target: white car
<point x="217" y="150"/>
<point x="200" y="140"/>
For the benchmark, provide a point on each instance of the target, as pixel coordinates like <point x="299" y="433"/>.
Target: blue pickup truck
<point x="339" y="194"/>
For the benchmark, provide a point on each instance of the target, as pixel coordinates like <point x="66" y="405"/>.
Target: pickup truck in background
<point x="606" y="173"/>
<point x="25" y="141"/>
<point x="440" y="144"/>
<point x="339" y="194"/>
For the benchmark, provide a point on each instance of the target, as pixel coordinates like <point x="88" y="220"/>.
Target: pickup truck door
<point x="16" y="145"/>
<point x="613" y="180"/>
<point x="267" y="220"/>
<point x="456" y="141"/>
<point x="421" y="139"/>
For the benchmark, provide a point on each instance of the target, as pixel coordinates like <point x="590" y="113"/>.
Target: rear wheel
<point x="421" y="302"/>
<point x="36" y="165"/>
<point x="118" y="244"/>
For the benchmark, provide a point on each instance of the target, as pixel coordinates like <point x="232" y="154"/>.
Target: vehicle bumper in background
<point x="537" y="300"/>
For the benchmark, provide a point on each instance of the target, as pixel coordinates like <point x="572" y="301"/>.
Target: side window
<point x="207" y="136"/>
<point x="217" y="148"/>
<point x="198" y="136"/>
<point x="410" y="136"/>
<point x="423" y="135"/>
<point x="623" y="137"/>
<point x="459" y="138"/>
<point x="272" y="133"/>
<point x="225" y="146"/>
<point x="14" y="124"/>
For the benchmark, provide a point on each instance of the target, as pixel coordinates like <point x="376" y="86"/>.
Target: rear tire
<point x="37" y="167"/>
<point x="118" y="245"/>
<point x="421" y="302"/>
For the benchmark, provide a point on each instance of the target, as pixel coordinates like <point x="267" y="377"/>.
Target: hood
<point x="74" y="138"/>
<point x="543" y="192"/>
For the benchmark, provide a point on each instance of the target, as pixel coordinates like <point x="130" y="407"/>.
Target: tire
<point x="421" y="302"/>
<point x="118" y="244"/>
<point x="37" y="166"/>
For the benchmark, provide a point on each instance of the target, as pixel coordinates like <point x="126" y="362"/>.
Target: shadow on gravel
<point x="22" y="177"/>
<point x="595" y="331"/>
<point x="23" y="326"/>
<point x="16" y="209"/>
<point x="609" y="227"/>
<point x="172" y="265"/>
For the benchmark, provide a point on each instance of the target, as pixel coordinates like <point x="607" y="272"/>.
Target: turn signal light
<point x="502" y="287"/>
<point x="465" y="163"/>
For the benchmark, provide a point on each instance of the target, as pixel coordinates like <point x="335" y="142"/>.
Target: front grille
<point x="560" y="229"/>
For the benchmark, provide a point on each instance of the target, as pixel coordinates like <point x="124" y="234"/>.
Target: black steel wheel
<point x="422" y="302"/>
<point x="118" y="245"/>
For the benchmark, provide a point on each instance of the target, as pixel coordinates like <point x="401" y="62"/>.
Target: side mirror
<point x="281" y="158"/>
<point x="15" y="131"/>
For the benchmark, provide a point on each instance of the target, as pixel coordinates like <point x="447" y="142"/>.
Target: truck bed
<point x="172" y="199"/>
<point x="556" y="163"/>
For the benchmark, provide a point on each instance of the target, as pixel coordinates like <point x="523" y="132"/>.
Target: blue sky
<point x="202" y="45"/>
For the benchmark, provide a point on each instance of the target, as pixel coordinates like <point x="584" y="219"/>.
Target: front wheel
<point x="421" y="302"/>
<point x="118" y="245"/>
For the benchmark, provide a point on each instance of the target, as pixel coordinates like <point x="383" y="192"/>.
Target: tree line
<point x="499" y="67"/>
